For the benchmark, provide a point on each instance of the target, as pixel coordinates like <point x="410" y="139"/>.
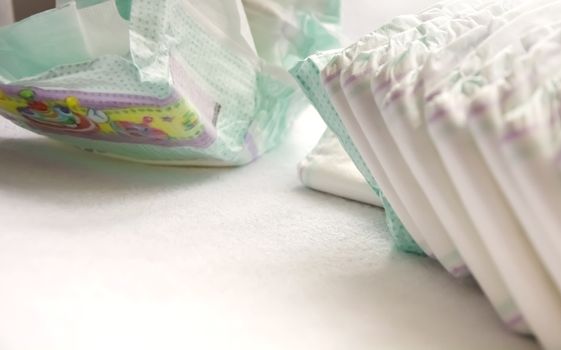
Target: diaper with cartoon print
<point x="174" y="82"/>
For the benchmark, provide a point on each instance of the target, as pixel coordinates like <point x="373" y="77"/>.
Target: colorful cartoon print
<point x="55" y="117"/>
<point x="94" y="116"/>
<point x="143" y="132"/>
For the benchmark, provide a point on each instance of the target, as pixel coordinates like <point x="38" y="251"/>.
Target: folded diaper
<point x="394" y="131"/>
<point x="354" y="86"/>
<point x="524" y="133"/>
<point x="307" y="73"/>
<point x="454" y="112"/>
<point x="186" y="87"/>
<point x="516" y="258"/>
<point x="328" y="168"/>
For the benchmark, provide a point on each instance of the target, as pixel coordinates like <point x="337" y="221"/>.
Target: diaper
<point x="402" y="112"/>
<point x="328" y="168"/>
<point x="285" y="31"/>
<point x="456" y="117"/>
<point x="526" y="133"/>
<point x="308" y="75"/>
<point x="184" y="88"/>
<point x="518" y="262"/>
<point x="355" y="81"/>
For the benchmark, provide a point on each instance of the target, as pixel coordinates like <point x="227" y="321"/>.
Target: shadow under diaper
<point x="44" y="169"/>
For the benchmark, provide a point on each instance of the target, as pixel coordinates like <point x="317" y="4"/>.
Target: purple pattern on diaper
<point x="194" y="122"/>
<point x="81" y="126"/>
<point x="419" y="85"/>
<point x="432" y="95"/>
<point x="396" y="95"/>
<point x="460" y="271"/>
<point x="557" y="158"/>
<point x="438" y="114"/>
<point x="384" y="86"/>
<point x="97" y="100"/>
<point x="513" y="135"/>
<point x="251" y="146"/>
<point x="477" y="110"/>
<point x="515" y="321"/>
<point x="352" y="78"/>
<point x="328" y="78"/>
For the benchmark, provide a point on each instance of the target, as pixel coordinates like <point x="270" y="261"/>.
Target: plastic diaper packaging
<point x="170" y="82"/>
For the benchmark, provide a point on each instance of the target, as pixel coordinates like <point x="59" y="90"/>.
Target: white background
<point x="102" y="254"/>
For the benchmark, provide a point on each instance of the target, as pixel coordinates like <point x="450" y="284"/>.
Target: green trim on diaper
<point x="183" y="95"/>
<point x="308" y="75"/>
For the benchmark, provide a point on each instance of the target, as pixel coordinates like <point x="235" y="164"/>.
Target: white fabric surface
<point x="328" y="168"/>
<point x="102" y="254"/>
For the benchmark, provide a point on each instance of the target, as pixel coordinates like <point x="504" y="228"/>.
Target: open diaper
<point x="165" y="82"/>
